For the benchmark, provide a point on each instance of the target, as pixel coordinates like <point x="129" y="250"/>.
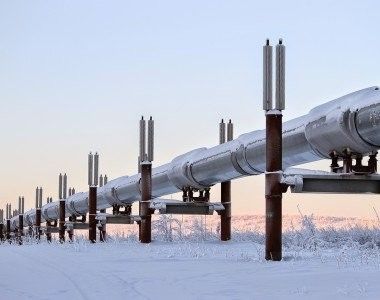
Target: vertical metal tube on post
<point x="37" y="196"/>
<point x="267" y="76"/>
<point x="142" y="140"/>
<point x="105" y="179"/>
<point x="100" y="180"/>
<point x="150" y="139"/>
<point x="146" y="194"/>
<point x="90" y="169"/>
<point x="64" y="192"/>
<point x="96" y="168"/>
<point x="60" y="186"/>
<point x="273" y="187"/>
<point x="40" y="198"/>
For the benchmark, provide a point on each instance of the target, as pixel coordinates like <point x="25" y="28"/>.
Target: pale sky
<point x="76" y="76"/>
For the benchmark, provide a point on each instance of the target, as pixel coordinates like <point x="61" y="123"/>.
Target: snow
<point x="324" y="258"/>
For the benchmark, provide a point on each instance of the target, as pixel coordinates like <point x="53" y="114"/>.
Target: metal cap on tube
<point x="90" y="168"/>
<point x="150" y="139"/>
<point x="222" y="132"/>
<point x="267" y="76"/>
<point x="230" y="131"/>
<point x="96" y="168"/>
<point x="280" y="76"/>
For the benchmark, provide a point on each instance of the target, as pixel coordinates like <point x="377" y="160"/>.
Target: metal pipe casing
<point x="150" y="139"/>
<point x="23" y="204"/>
<point x="90" y="169"/>
<point x="142" y="139"/>
<point x="280" y="76"/>
<point x="105" y="179"/>
<point x="222" y="132"/>
<point x="267" y="76"/>
<point x="19" y="203"/>
<point x="96" y="168"/>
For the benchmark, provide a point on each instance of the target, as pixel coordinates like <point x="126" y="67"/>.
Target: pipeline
<point x="351" y="121"/>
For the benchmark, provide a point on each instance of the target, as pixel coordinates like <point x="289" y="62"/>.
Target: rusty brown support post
<point x="48" y="234"/>
<point x="145" y="229"/>
<point x="92" y="214"/>
<point x="273" y="188"/>
<point x="8" y="229"/>
<point x="103" y="229"/>
<point x="38" y="223"/>
<point x="225" y="216"/>
<point x="1" y="231"/>
<point x="62" y="217"/>
<point x="21" y="225"/>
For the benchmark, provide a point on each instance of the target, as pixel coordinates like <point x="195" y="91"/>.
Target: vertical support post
<point x="1" y="225"/>
<point x="225" y="191"/>
<point x="146" y="194"/>
<point x="38" y="223"/>
<point x="273" y="187"/>
<point x="62" y="217"/>
<point x="8" y="229"/>
<point x="93" y="171"/>
<point x="92" y="214"/>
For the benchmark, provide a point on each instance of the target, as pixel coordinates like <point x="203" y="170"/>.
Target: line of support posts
<point x="273" y="174"/>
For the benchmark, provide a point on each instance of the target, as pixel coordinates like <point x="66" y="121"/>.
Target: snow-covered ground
<point x="324" y="258"/>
